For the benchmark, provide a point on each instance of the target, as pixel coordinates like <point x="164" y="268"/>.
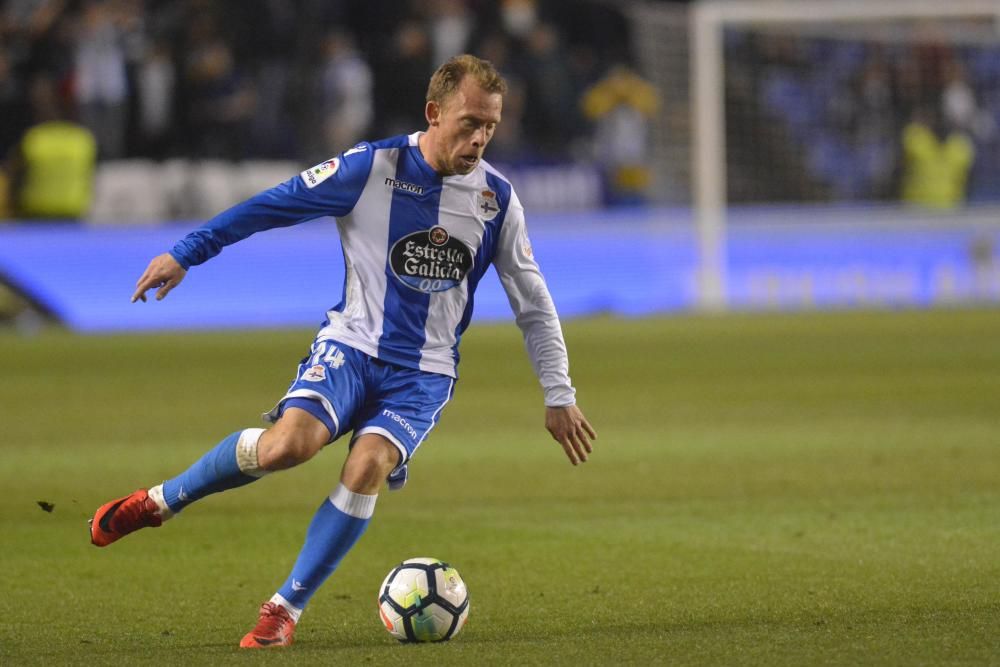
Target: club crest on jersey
<point x="438" y="235"/>
<point x="431" y="260"/>
<point x="487" y="205"/>
<point x="319" y="173"/>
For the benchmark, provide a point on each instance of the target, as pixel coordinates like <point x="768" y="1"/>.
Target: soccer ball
<point x="423" y="600"/>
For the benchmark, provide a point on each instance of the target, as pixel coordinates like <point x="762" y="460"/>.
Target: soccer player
<point x="420" y="217"/>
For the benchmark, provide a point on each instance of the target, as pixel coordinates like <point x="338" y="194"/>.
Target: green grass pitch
<point x="766" y="490"/>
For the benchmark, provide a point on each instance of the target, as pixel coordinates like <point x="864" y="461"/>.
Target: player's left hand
<point x="571" y="430"/>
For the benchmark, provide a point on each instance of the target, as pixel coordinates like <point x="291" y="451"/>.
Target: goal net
<point x="866" y="108"/>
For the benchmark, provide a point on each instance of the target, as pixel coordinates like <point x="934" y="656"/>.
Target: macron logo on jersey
<point x="319" y="173"/>
<point x="404" y="186"/>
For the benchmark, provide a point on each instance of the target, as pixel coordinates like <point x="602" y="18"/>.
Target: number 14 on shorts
<point x="330" y="354"/>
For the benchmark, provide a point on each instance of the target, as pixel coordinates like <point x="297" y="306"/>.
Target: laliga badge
<point x="319" y="173"/>
<point x="315" y="374"/>
<point x="487" y="205"/>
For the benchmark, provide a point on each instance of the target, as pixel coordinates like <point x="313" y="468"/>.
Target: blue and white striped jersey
<point x="415" y="247"/>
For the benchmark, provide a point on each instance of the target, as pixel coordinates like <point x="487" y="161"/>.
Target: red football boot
<point x="122" y="516"/>
<point x="274" y="628"/>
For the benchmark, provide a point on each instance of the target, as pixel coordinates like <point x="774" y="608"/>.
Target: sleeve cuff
<point x="180" y="260"/>
<point x="560" y="397"/>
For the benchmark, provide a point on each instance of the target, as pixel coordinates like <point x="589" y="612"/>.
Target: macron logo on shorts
<point x="412" y="432"/>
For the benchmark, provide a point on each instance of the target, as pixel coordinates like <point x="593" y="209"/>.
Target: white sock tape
<point x="156" y="495"/>
<point x="246" y="452"/>
<point x="353" y="504"/>
<point x="292" y="610"/>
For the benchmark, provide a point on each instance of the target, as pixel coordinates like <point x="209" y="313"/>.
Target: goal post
<point x="708" y="20"/>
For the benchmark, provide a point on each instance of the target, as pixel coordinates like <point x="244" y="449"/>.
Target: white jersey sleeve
<point x="534" y="311"/>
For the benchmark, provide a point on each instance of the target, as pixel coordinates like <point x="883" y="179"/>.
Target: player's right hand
<point x="164" y="273"/>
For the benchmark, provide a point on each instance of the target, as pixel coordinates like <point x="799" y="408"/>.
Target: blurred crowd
<point x="88" y="81"/>
<point x="848" y="119"/>
<point x="292" y="79"/>
<point x="912" y="120"/>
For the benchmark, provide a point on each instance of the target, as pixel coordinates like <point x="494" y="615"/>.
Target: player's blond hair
<point x="448" y="77"/>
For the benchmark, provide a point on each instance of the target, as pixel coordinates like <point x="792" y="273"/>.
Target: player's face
<point x="461" y="127"/>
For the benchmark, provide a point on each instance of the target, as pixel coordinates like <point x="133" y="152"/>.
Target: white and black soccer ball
<point x="423" y="600"/>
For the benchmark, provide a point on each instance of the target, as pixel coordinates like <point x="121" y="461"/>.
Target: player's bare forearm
<point x="163" y="274"/>
<point x="570" y="428"/>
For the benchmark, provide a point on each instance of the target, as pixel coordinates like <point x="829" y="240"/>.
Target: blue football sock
<point x="336" y="526"/>
<point x="231" y="463"/>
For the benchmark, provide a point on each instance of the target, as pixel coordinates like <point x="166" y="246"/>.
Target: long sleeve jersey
<point x="415" y="246"/>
